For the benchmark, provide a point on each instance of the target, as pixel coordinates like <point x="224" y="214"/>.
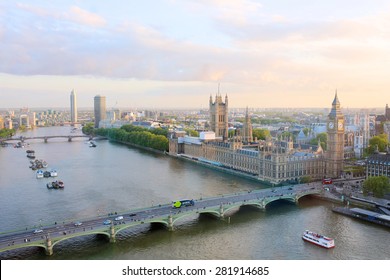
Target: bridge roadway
<point x="218" y="206"/>
<point x="45" y="138"/>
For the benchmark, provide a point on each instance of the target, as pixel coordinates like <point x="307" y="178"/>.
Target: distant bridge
<point x="46" y="138"/>
<point x="219" y="207"/>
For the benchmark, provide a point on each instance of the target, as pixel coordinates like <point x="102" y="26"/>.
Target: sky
<point x="175" y="53"/>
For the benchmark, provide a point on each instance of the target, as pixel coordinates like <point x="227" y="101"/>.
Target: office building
<point x="99" y="109"/>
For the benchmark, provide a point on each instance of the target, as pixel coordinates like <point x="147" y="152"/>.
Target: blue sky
<point x="174" y="53"/>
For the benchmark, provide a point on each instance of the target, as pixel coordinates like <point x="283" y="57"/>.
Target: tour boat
<point x="318" y="239"/>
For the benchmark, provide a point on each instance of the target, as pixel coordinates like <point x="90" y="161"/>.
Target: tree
<point x="191" y="132"/>
<point x="306" y="131"/>
<point x="306" y="179"/>
<point x="379" y="141"/>
<point x="287" y="135"/>
<point x="88" y="128"/>
<point x="323" y="137"/>
<point x="379" y="186"/>
<point x="5" y="132"/>
<point x="261" y="133"/>
<point x="137" y="135"/>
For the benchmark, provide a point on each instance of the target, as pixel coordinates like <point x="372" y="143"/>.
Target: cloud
<point x="81" y="16"/>
<point x="73" y="14"/>
<point x="238" y="12"/>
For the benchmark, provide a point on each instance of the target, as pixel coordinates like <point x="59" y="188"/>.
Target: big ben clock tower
<point x="335" y="149"/>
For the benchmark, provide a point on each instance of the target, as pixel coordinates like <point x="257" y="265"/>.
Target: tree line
<point x="155" y="138"/>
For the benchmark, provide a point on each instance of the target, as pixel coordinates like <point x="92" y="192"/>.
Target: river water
<point x="114" y="177"/>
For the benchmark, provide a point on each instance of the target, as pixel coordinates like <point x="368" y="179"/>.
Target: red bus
<point x="327" y="181"/>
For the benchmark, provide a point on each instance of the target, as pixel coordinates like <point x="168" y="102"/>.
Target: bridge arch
<point x="21" y="246"/>
<point x="232" y="207"/>
<point x="137" y="224"/>
<point x="78" y="235"/>
<point x="273" y="199"/>
<point x="298" y="196"/>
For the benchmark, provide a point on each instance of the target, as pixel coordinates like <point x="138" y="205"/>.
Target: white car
<point x="38" y="231"/>
<point x="119" y="218"/>
<point x="77" y="224"/>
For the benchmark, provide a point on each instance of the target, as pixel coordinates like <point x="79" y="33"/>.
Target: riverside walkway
<point x="221" y="206"/>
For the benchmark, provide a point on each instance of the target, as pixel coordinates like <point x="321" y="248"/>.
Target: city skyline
<point x="265" y="54"/>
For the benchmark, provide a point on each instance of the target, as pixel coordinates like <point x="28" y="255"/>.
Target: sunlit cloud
<point x="85" y="17"/>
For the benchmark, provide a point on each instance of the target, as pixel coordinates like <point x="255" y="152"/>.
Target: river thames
<point x="115" y="178"/>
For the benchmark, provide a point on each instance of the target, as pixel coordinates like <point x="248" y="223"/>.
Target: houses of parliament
<point x="273" y="161"/>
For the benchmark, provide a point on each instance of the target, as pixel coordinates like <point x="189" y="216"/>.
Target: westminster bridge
<point x="47" y="236"/>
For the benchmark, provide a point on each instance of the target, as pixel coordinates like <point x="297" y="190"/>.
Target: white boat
<point x="53" y="173"/>
<point x="318" y="239"/>
<point x="39" y="174"/>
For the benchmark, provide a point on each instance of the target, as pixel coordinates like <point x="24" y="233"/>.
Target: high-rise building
<point x="24" y="120"/>
<point x="99" y="109"/>
<point x="387" y="112"/>
<point x="219" y="116"/>
<point x="335" y="150"/>
<point x="73" y="107"/>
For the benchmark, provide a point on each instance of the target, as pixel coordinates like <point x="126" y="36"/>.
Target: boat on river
<point x="39" y="174"/>
<point x="30" y="154"/>
<point x="55" y="185"/>
<point x="318" y="239"/>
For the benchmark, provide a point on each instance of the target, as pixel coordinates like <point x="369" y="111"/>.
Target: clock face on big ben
<point x="331" y="125"/>
<point x="340" y="125"/>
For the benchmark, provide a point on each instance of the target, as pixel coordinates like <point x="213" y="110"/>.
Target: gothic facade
<point x="335" y="151"/>
<point x="273" y="161"/>
<point x="247" y="133"/>
<point x="219" y="116"/>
